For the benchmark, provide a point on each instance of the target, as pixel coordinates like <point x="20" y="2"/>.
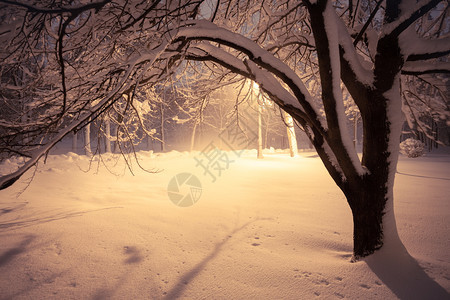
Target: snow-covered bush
<point x="412" y="147"/>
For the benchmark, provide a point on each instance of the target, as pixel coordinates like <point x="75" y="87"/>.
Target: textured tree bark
<point x="368" y="203"/>
<point x="367" y="230"/>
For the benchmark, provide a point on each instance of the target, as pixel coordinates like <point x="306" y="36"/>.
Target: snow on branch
<point x="416" y="48"/>
<point x="365" y="76"/>
<point x="327" y="42"/>
<point x="418" y="68"/>
<point x="265" y="79"/>
<point x="205" y="30"/>
<point x="206" y="49"/>
<point x="267" y="82"/>
<point x="410" y="14"/>
<point x="8" y="180"/>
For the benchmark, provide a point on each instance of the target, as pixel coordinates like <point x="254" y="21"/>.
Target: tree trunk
<point x="116" y="135"/>
<point x="107" y="135"/>
<point x="367" y="207"/>
<point x="266" y="134"/>
<point x="199" y="120"/>
<point x="193" y="136"/>
<point x="373" y="214"/>
<point x="260" y="150"/>
<point x="87" y="140"/>
<point x="162" y="128"/>
<point x="293" y="149"/>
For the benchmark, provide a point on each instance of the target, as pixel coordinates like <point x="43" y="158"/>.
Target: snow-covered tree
<point x="426" y="94"/>
<point x="298" y="52"/>
<point x="372" y="81"/>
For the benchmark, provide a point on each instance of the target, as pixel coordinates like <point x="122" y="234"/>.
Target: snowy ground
<point x="265" y="229"/>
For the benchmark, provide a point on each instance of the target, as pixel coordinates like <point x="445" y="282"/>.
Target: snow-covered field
<point x="276" y="228"/>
